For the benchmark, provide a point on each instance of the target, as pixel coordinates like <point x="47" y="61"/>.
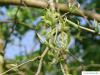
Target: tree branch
<point x="31" y="60"/>
<point x="43" y="4"/>
<point x="41" y="61"/>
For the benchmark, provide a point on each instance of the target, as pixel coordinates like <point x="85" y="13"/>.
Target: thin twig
<point x="92" y="65"/>
<point x="62" y="68"/>
<point x="79" y="68"/>
<point x="39" y="67"/>
<point x="41" y="61"/>
<point x="81" y="27"/>
<point x="19" y="22"/>
<point x="20" y="65"/>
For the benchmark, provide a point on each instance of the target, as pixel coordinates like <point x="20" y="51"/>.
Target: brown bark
<point x="1" y="52"/>
<point x="43" y="4"/>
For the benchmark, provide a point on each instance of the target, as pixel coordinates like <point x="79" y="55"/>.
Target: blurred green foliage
<point x="86" y="49"/>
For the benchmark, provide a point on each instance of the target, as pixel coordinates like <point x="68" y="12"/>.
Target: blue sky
<point x="27" y="44"/>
